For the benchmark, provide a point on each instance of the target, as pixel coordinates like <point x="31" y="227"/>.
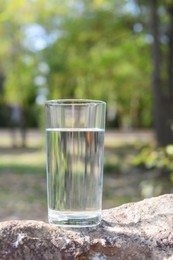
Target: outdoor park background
<point x="117" y="51"/>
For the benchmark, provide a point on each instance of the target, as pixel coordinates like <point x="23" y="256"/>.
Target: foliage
<point x="152" y="157"/>
<point x="89" y="48"/>
<point x="77" y="49"/>
<point x="98" y="56"/>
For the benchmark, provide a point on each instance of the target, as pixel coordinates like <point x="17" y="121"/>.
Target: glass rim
<point x="79" y="102"/>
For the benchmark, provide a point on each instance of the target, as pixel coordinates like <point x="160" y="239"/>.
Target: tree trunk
<point x="162" y="91"/>
<point x="170" y="57"/>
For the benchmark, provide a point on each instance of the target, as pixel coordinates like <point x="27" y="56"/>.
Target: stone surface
<point x="137" y="231"/>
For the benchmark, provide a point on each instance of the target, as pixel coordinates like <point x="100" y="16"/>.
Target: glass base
<point x="74" y="220"/>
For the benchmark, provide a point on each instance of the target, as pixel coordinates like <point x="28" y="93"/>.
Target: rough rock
<point x="137" y="231"/>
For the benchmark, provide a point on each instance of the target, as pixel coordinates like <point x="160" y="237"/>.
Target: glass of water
<point x="75" y="153"/>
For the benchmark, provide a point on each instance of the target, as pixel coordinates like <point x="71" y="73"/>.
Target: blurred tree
<point x="17" y="64"/>
<point x="97" y="55"/>
<point x="81" y="49"/>
<point x="161" y="13"/>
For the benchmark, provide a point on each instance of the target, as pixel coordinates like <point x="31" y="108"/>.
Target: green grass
<point x="23" y="178"/>
<point x="24" y="162"/>
<point x="22" y="169"/>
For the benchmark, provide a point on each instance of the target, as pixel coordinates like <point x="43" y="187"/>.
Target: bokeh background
<point x="117" y="51"/>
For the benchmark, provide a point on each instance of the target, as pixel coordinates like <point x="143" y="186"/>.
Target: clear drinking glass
<point x="75" y="150"/>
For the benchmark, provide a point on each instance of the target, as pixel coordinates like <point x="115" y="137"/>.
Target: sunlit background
<point x="117" y="51"/>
